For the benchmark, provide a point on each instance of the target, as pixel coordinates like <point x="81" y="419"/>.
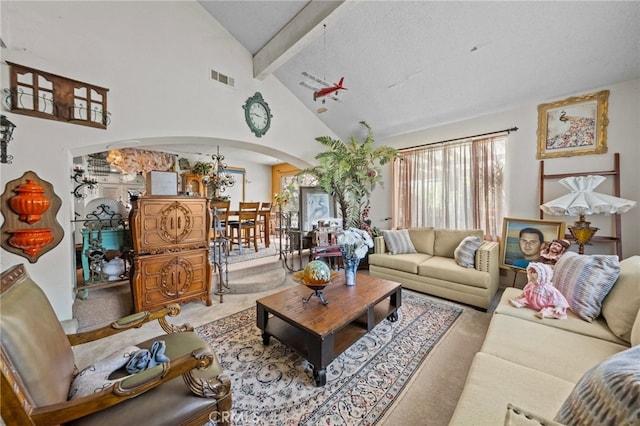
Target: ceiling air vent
<point x="222" y="78"/>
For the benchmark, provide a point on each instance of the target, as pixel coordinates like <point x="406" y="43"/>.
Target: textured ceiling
<point x="415" y="65"/>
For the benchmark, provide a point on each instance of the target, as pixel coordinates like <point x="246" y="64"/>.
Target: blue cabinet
<point x="113" y="239"/>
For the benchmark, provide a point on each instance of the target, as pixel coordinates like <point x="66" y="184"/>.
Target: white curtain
<point x="454" y="185"/>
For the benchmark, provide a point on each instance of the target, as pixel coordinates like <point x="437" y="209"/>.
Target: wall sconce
<point x="6" y="129"/>
<point x="89" y="181"/>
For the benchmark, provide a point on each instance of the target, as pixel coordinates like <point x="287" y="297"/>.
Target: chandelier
<point x="218" y="179"/>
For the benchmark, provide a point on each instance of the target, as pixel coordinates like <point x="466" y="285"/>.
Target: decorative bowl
<point x="299" y="278"/>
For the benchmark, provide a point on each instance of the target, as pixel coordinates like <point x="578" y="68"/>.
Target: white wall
<point x="154" y="57"/>
<point x="522" y="171"/>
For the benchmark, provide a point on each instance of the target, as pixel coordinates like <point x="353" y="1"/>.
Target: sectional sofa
<point x="529" y="368"/>
<point x="428" y="264"/>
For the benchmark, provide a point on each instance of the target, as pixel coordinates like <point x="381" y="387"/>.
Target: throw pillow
<point x="607" y="394"/>
<point x="398" y="242"/>
<point x="622" y="304"/>
<point x="465" y="253"/>
<point x="95" y="377"/>
<point x="517" y="416"/>
<point x="585" y="280"/>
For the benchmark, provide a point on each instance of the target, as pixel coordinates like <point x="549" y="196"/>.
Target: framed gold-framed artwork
<point x="574" y="126"/>
<point x="524" y="239"/>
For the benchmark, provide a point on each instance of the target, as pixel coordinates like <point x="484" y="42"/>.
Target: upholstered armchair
<point x="38" y="369"/>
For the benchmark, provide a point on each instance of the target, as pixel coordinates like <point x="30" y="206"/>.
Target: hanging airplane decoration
<point x="321" y="88"/>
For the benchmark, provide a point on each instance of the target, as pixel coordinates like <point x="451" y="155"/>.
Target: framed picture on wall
<point x="315" y="204"/>
<point x="523" y="240"/>
<point x="574" y="126"/>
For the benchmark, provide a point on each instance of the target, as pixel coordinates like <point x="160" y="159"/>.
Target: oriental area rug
<point x="273" y="385"/>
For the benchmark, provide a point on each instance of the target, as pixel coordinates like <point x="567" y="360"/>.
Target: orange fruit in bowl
<point x="316" y="272"/>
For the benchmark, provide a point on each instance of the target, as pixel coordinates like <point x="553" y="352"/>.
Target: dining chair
<point x="220" y="212"/>
<point x="246" y="228"/>
<point x="220" y="223"/>
<point x="264" y="214"/>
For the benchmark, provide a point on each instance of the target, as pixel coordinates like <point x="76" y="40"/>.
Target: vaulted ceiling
<point x="410" y="65"/>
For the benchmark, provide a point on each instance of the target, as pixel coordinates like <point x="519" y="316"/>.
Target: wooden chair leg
<point x="255" y="238"/>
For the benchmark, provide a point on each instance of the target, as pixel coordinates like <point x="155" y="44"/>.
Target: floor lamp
<point x="583" y="200"/>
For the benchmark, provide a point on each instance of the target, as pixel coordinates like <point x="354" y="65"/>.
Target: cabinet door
<point x="170" y="224"/>
<point x="171" y="278"/>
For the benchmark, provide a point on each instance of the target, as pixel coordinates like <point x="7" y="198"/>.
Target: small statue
<point x="540" y="294"/>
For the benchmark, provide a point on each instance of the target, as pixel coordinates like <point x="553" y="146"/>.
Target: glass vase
<point x="350" y="267"/>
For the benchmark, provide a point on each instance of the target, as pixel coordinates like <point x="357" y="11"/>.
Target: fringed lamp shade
<point x="583" y="200"/>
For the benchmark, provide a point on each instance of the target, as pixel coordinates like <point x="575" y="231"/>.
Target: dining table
<point x="267" y="223"/>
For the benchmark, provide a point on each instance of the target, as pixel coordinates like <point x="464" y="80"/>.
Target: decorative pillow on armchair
<point x="465" y="253"/>
<point x="585" y="280"/>
<point x="398" y="242"/>
<point x="607" y="394"/>
<point x="95" y="377"/>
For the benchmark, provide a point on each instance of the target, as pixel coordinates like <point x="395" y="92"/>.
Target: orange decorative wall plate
<point x="29" y="202"/>
<point x="31" y="241"/>
<point x="30" y="227"/>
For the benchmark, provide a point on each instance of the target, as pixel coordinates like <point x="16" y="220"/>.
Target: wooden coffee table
<point x="321" y="332"/>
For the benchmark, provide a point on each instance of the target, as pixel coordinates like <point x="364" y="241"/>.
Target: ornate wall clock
<point x="257" y="114"/>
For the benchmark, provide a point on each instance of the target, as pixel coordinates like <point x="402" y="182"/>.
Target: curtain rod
<point x="513" y="129"/>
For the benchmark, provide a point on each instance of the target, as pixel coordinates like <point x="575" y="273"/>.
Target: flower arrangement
<point x="282" y="198"/>
<point x="355" y="242"/>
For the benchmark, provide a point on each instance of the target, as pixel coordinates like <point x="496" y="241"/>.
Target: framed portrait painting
<point x="523" y="240"/>
<point x="574" y="126"/>
<point x="315" y="205"/>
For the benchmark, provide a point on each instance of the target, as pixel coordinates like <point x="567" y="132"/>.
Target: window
<point x="456" y="185"/>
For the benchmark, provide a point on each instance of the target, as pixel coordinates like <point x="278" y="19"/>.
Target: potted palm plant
<point x="349" y="172"/>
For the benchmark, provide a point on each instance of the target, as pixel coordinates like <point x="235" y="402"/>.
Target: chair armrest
<point x="379" y="247"/>
<point x="132" y="321"/>
<point x="126" y="389"/>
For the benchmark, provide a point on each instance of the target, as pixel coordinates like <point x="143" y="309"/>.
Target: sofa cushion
<point x="542" y="348"/>
<point x="465" y="253"/>
<point x="398" y="242"/>
<point x="446" y="240"/>
<point x="597" y="328"/>
<point x="492" y="383"/>
<point x="402" y="262"/>
<point x="621" y="305"/>
<point x="607" y="394"/>
<point x="423" y="239"/>
<point x="585" y="280"/>
<point x="446" y="269"/>
<point x="635" y="331"/>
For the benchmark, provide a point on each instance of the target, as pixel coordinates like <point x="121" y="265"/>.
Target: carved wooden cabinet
<point x="170" y="238"/>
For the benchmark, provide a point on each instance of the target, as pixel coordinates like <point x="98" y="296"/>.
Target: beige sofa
<point x="433" y="269"/>
<point x="534" y="364"/>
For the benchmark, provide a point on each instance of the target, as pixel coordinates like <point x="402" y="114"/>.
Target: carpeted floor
<point x="250" y="254"/>
<point x="274" y="385"/>
<point x="429" y="398"/>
